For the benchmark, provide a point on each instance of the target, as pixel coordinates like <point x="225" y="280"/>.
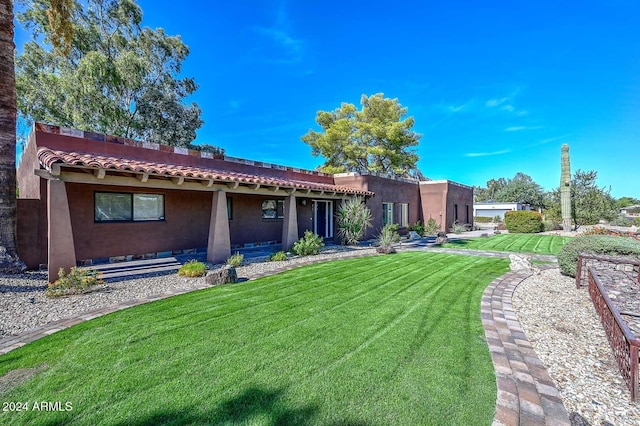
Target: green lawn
<point x="379" y="340"/>
<point x="525" y="243"/>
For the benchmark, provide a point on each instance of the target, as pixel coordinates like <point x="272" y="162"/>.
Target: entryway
<point x="323" y="218"/>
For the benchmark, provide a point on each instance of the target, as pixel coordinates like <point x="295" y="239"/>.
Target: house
<point x="630" y="211"/>
<point x="88" y="198"/>
<point x="493" y="209"/>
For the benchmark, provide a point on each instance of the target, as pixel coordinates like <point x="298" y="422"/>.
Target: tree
<point x="59" y="13"/>
<point x="376" y="138"/>
<point x="627" y="201"/>
<point x="117" y="78"/>
<point x="589" y="203"/>
<point x="520" y="189"/>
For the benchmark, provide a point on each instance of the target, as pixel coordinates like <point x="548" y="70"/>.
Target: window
<point x="403" y="215"/>
<point x="273" y="209"/>
<point x="455" y="212"/>
<point x="123" y="207"/>
<point x="387" y="213"/>
<point x="229" y="209"/>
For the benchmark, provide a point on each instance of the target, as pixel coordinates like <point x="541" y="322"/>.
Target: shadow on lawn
<point x="252" y="404"/>
<point x="459" y="243"/>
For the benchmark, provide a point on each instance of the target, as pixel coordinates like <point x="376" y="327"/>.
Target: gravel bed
<point x="23" y="305"/>
<point x="565" y="331"/>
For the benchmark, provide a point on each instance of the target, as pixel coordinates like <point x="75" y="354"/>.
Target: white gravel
<point x="565" y="331"/>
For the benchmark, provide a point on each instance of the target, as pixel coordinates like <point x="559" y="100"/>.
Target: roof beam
<point x="254" y="186"/>
<point x="274" y="188"/>
<point x="178" y="180"/>
<point x="100" y="173"/>
<point x="55" y="169"/>
<point x="290" y="190"/>
<point x="143" y="177"/>
<point x="208" y="183"/>
<point x="233" y="185"/>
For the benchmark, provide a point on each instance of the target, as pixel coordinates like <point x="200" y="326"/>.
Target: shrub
<point x="548" y="225"/>
<point x="418" y="228"/>
<point x="458" y="228"/>
<point x="497" y="219"/>
<point x="432" y="227"/>
<point x="620" y="221"/>
<point x="597" y="230"/>
<point x="354" y="217"/>
<point x="278" y="256"/>
<point x="309" y="244"/>
<point x="595" y="244"/>
<point x="77" y="281"/>
<point x="636" y="221"/>
<point x="193" y="268"/>
<point x="235" y="260"/>
<point x="387" y="237"/>
<point x="523" y="221"/>
<point x="501" y="227"/>
<point x="482" y="219"/>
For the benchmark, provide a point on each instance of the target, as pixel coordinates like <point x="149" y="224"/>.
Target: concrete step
<point x="120" y="270"/>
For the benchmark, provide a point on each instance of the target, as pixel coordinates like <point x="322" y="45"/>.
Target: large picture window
<point x="273" y="209"/>
<point x="126" y="207"/>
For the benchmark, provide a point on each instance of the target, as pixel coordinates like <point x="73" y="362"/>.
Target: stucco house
<point x="88" y="198"/>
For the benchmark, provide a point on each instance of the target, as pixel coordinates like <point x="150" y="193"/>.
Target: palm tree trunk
<point x="9" y="261"/>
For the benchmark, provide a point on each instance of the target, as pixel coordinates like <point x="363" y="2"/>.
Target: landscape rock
<point x="521" y="262"/>
<point x="441" y="238"/>
<point x="413" y="235"/>
<point x="385" y="249"/>
<point x="224" y="275"/>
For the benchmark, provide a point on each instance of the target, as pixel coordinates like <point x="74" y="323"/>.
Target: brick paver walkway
<point x="526" y="393"/>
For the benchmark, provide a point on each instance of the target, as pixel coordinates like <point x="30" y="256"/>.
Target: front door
<point x="323" y="218"/>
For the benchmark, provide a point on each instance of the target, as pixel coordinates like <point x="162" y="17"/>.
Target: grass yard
<point x="380" y="340"/>
<point x="524" y="243"/>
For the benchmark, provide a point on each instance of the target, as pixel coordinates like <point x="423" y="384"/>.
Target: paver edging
<point x="526" y="394"/>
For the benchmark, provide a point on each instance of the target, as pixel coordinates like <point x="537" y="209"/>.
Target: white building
<point x="497" y="209"/>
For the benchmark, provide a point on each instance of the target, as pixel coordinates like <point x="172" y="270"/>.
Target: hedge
<point x="482" y="219"/>
<point x="523" y="221"/>
<point x="595" y="244"/>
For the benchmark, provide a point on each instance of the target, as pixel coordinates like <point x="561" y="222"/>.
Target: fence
<point x="603" y="264"/>
<point x="622" y="341"/>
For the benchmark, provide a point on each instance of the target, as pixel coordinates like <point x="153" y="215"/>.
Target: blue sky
<point x="495" y="87"/>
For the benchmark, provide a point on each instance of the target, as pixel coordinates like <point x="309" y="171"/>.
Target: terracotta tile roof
<point x="48" y="157"/>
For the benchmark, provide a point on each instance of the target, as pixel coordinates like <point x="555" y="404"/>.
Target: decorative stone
<point x="521" y="262"/>
<point x="413" y="235"/>
<point x="226" y="274"/>
<point x="385" y="249"/>
<point x="441" y="238"/>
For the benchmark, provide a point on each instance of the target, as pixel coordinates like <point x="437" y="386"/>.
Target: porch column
<point x="290" y="223"/>
<point x="219" y="245"/>
<point x="61" y="250"/>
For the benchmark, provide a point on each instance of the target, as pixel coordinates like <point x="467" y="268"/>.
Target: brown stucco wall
<point x="439" y="198"/>
<point x="386" y="191"/>
<point x="28" y="183"/>
<point x="31" y="231"/>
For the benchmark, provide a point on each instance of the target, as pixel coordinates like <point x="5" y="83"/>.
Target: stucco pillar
<point x="219" y="245"/>
<point x="61" y="250"/>
<point x="290" y="223"/>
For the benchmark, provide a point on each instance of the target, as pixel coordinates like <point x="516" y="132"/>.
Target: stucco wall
<point x="439" y="199"/>
<point x="31" y="230"/>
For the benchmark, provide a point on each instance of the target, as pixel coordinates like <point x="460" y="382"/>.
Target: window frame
<point x="403" y="215"/>
<point x="279" y="207"/>
<point x="387" y="214"/>
<point x="132" y="218"/>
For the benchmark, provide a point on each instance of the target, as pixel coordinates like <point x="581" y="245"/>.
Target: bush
<point x="432" y="227"/>
<point x="482" y="219"/>
<point x="354" y="217"/>
<point x="77" y="281"/>
<point x="636" y="221"/>
<point x="497" y="219"/>
<point x="549" y="225"/>
<point x="620" y="221"/>
<point x="418" y="228"/>
<point x="278" y="256"/>
<point x="235" y="260"/>
<point x="193" y="268"/>
<point x="457" y="228"/>
<point x="595" y="244"/>
<point x="387" y="237"/>
<point x="309" y="244"/>
<point x="523" y="221"/>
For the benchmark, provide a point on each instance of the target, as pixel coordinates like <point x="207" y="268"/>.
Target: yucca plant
<point x="354" y="217"/>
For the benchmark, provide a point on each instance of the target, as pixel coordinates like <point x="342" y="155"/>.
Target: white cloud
<point x="491" y="103"/>
<point x="487" y="154"/>
<point x="455" y="108"/>
<point x="520" y="128"/>
<point x="292" y="49"/>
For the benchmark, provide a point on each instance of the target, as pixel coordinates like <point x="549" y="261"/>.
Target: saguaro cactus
<point x="565" y="189"/>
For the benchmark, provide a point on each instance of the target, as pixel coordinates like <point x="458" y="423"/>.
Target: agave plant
<point x="354" y="217"/>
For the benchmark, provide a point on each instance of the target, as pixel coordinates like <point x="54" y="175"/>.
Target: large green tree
<point x="589" y="202"/>
<point x="376" y="138"/>
<point x="117" y="78"/>
<point x="520" y="189"/>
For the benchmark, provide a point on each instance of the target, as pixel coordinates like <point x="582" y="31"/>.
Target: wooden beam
<point x="100" y="173"/>
<point x="143" y="177"/>
<point x="274" y="188"/>
<point x="178" y="180"/>
<point x="55" y="169"/>
<point x="254" y="186"/>
<point x="233" y="185"/>
<point x="290" y="190"/>
<point x="208" y="183"/>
